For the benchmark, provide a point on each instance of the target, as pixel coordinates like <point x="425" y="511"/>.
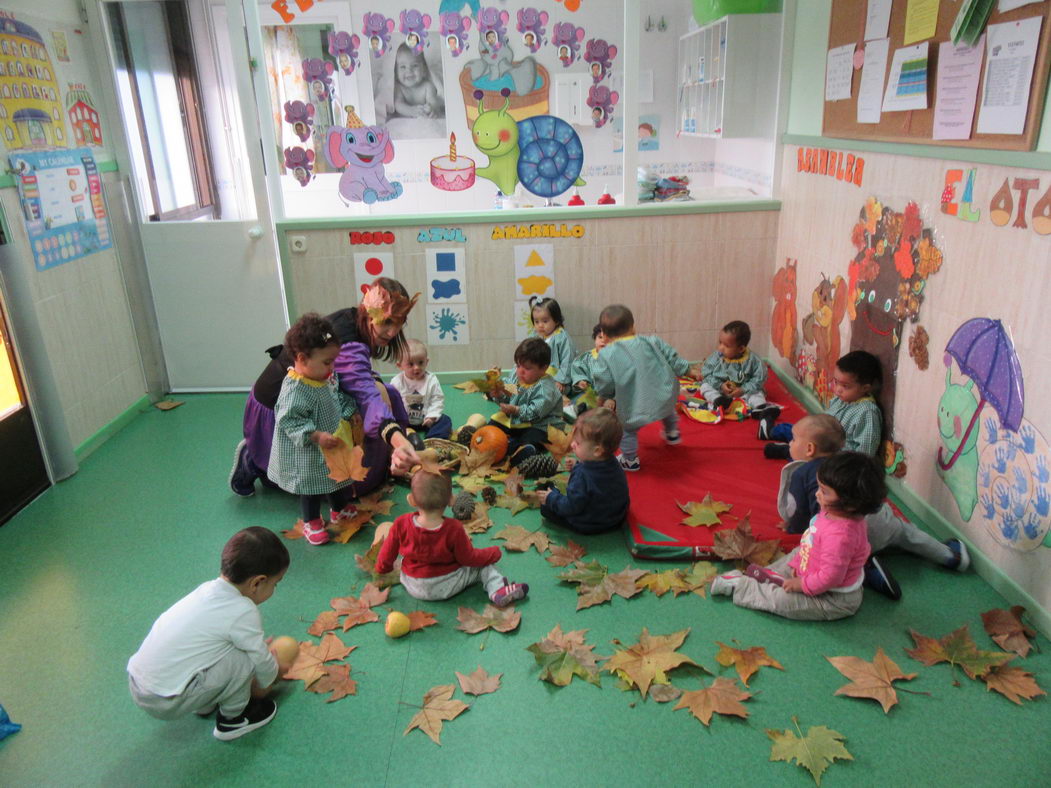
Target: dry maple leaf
<point x="309" y="663"/>
<point x="513" y="483"/>
<point x="429" y="462"/>
<point x="501" y="619"/>
<point x="722" y="697"/>
<point x="956" y="648"/>
<point x="738" y="544"/>
<point x="596" y="585"/>
<point x="705" y="512"/>
<point x="661" y="583"/>
<point x="746" y="660"/>
<point x="470" y="483"/>
<point x="512" y="503"/>
<point x="871" y="679"/>
<point x="517" y="539"/>
<point x="1006" y="629"/>
<point x="337" y="680"/>
<point x="438" y="706"/>
<point x="1013" y="683"/>
<point x="346" y="527"/>
<point x="326" y="621"/>
<point x="648" y="661"/>
<point x="295" y="532"/>
<point x="564" y="556"/>
<point x="563" y="655"/>
<point x="697" y="577"/>
<point x="168" y="404"/>
<point x="479" y="682"/>
<point x="814" y="752"/>
<point x="467" y="387"/>
<point x="345" y="462"/>
<point x="358" y="610"/>
<point x="373" y="595"/>
<point x="480" y="522"/>
<point x="558" y="442"/>
<point x="476" y="463"/>
<point x="419" y="619"/>
<point x="367" y="564"/>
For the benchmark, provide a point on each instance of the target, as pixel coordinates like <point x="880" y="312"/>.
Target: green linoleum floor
<point x="88" y="566"/>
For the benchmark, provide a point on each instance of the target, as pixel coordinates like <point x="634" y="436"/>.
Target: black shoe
<point x="879" y="579"/>
<point x="521" y="454"/>
<point x="257" y="713"/>
<point x="767" y="411"/>
<point x="242" y="475"/>
<point x="776" y="451"/>
<point x="766" y="424"/>
<point x="722" y="401"/>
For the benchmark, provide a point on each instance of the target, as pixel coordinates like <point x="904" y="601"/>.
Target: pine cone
<point x="538" y="466"/>
<point x="463" y="506"/>
<point x="464" y="434"/>
<point x="489" y="495"/>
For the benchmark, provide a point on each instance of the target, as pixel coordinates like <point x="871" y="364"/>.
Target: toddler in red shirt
<point x="438" y="559"/>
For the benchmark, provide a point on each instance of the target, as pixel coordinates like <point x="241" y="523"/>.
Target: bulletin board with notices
<point x="969" y="73"/>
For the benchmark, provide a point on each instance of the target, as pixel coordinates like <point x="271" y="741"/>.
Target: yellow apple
<point x="285" y="649"/>
<point x="397" y="624"/>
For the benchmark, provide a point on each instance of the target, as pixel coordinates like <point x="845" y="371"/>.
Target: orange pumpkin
<point x="492" y="440"/>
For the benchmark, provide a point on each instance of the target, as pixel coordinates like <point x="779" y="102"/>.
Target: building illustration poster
<point x="62" y="204"/>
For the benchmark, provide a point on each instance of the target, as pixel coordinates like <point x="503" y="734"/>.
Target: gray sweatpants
<point x="886" y="529"/>
<point x="227" y="683"/>
<point x="629" y="442"/>
<point x="754" y="400"/>
<point x="802" y="607"/>
<point x="447" y="586"/>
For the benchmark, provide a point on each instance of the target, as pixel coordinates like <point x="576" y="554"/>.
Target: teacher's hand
<point x="403" y="457"/>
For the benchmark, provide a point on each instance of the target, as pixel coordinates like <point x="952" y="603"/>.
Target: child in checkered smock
<point x="308" y="412"/>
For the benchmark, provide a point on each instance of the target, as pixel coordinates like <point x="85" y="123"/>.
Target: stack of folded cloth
<point x="647" y="184"/>
<point x="674" y="188"/>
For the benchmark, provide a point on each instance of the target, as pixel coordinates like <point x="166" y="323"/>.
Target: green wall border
<point x="921" y="512"/>
<point x="85" y="449"/>
<point x="7" y="180"/>
<point x="1032" y="160"/>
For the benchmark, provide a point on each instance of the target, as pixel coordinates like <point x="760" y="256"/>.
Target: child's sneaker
<point x="725" y="584"/>
<point x="511" y="592"/>
<point x="880" y="580"/>
<point x="776" y="451"/>
<point x="348" y="511"/>
<point x="314" y="532"/>
<point x="242" y="477"/>
<point x="629" y="464"/>
<point x="961" y="558"/>
<point x="766" y="424"/>
<point x="257" y="713"/>
<point x="672" y="438"/>
<point x="763" y="575"/>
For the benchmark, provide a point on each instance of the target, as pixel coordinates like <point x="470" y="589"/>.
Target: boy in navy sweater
<point x="596" y="498"/>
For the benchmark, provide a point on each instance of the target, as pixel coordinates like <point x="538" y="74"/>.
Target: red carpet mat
<point x="724" y="459"/>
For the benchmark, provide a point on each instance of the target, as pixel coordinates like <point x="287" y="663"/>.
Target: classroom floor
<point x="89" y="565"/>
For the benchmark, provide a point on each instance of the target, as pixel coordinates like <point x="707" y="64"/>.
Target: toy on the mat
<point x="698" y="410"/>
<point x="763" y="575"/>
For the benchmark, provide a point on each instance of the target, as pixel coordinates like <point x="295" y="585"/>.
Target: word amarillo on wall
<point x="1012" y="198"/>
<point x="835" y="164"/>
<point x="510" y="231"/>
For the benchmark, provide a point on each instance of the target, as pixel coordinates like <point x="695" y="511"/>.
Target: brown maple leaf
<point x="871" y="679"/>
<point x="476" y="463"/>
<point x="738" y="544"/>
<point x="346" y="527"/>
<point x="1013" y="683"/>
<point x="309" y="663"/>
<point x="722" y="697"/>
<point x="661" y="583"/>
<point x="429" y="462"/>
<point x="649" y="660"/>
<point x="558" y="442"/>
<point x="375" y="502"/>
<point x="481" y="522"/>
<point x="367" y="564"/>
<point x="747" y="661"/>
<point x="358" y="610"/>
<point x="419" y="619"/>
<point x="479" y="682"/>
<point x="563" y="655"/>
<point x="468" y="387"/>
<point x="564" y="556"/>
<point x="517" y="539"/>
<point x="470" y="483"/>
<point x="596" y="585"/>
<point x="326" y="620"/>
<point x="696" y="578"/>
<point x="956" y="648"/>
<point x="513" y="483"/>
<point x="512" y="503"/>
<point x="1006" y="629"/>
<point x="337" y="680"/>
<point x="295" y="532"/>
<point x="345" y="462"/>
<point x="705" y="512"/>
<point x="438" y="706"/>
<point x="501" y="619"/>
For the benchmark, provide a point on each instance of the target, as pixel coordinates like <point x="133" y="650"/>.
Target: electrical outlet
<point x="297" y="243"/>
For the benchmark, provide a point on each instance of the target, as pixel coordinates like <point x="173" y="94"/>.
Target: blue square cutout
<point x="445" y="261"/>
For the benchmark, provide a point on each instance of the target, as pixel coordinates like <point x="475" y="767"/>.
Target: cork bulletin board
<point x="917" y="126"/>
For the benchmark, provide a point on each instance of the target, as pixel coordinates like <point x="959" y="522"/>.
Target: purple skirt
<point x="259" y="436"/>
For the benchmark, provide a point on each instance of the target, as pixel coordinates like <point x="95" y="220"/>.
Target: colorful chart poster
<point x="446" y="276"/>
<point x="907" y="86"/>
<point x="65" y="213"/>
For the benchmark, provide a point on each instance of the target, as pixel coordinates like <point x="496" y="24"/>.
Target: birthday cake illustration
<point x="452" y="173"/>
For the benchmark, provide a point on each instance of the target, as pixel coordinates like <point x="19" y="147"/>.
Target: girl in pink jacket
<point x="821" y="579"/>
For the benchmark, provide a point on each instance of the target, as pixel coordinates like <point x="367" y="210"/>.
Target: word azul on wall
<point x="434" y="234"/>
<point x="510" y="231"/>
<point x="1002" y="205"/>
<point x="835" y="164"/>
